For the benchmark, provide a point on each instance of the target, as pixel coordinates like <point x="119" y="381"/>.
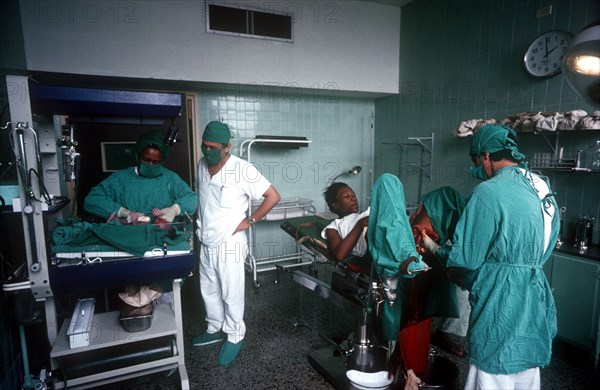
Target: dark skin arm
<point x="341" y="248"/>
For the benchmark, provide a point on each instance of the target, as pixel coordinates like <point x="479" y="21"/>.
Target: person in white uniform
<point x="226" y="185"/>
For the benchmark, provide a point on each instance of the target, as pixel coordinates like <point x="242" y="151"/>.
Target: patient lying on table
<point x="346" y="235"/>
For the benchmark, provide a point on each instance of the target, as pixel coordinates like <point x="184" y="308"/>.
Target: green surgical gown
<point x="500" y="241"/>
<point x="140" y="194"/>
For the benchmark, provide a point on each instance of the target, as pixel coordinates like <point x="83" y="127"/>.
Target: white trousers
<point x="524" y="380"/>
<point x="222" y="286"/>
<point x="458" y="326"/>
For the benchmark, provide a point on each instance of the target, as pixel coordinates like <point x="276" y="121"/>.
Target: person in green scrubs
<point x="506" y="233"/>
<point x="443" y="208"/>
<point x="146" y="190"/>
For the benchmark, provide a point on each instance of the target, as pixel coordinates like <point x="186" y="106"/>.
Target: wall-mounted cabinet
<point x="575" y="283"/>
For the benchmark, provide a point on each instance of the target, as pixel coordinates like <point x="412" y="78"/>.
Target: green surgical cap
<point x="217" y="131"/>
<point x="152" y="138"/>
<point x="494" y="138"/>
<point x="444" y="207"/>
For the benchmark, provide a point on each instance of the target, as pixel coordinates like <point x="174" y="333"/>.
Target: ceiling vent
<point x="231" y="20"/>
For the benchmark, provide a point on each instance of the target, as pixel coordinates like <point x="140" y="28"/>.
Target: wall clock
<point x="544" y="55"/>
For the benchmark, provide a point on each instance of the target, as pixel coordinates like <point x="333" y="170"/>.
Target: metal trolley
<point x="286" y="208"/>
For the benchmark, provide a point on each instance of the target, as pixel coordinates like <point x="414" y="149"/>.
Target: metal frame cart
<point x="286" y="208"/>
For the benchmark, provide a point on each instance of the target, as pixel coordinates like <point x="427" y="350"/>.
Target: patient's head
<point x="341" y="199"/>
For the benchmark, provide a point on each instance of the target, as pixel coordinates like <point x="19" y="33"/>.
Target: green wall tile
<point x="477" y="48"/>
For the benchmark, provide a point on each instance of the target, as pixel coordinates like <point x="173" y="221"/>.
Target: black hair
<point x="331" y="192"/>
<point x="500" y="155"/>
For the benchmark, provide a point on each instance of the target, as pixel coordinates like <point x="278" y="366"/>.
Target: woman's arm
<point x="340" y="247"/>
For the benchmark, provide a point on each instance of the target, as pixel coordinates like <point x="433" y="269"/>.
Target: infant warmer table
<point x="114" y="354"/>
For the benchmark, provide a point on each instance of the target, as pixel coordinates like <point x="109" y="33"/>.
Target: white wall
<point x="338" y="45"/>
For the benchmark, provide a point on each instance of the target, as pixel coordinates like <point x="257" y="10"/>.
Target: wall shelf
<point x="426" y="146"/>
<point x="556" y="160"/>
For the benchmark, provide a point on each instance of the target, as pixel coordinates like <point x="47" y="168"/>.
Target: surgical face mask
<point x="478" y="172"/>
<point x="150" y="170"/>
<point x="213" y="157"/>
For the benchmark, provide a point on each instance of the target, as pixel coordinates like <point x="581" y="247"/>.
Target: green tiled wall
<point x="340" y="131"/>
<point x="463" y="59"/>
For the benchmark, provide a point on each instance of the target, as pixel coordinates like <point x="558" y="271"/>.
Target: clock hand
<point x="551" y="50"/>
<point x="546" y="46"/>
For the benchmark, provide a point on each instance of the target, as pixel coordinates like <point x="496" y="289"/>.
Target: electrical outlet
<point x="544" y="11"/>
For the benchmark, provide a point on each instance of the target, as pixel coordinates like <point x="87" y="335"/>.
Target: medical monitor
<point x="117" y="155"/>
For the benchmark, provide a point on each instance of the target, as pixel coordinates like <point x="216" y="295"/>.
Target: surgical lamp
<point x="353" y="172"/>
<point x="581" y="64"/>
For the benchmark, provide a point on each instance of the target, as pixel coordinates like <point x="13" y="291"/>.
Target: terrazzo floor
<point x="275" y="351"/>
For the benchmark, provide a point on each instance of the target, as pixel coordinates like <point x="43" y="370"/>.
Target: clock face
<point x="544" y="56"/>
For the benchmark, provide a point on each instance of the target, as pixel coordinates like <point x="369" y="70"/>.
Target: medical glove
<point x="123" y="212"/>
<point x="427" y="243"/>
<point x="132" y="216"/>
<point x="169" y="213"/>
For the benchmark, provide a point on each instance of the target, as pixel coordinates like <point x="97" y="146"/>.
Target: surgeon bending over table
<point x="148" y="189"/>
<point x="503" y="238"/>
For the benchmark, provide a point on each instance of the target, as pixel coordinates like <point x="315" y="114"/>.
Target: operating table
<point x="356" y="292"/>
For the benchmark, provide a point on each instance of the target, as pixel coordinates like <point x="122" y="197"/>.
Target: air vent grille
<point x="248" y="23"/>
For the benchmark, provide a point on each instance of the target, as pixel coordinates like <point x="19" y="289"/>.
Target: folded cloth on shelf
<point x="590" y="122"/>
<point x="526" y="121"/>
<point x="468" y="128"/>
<point x="549" y="123"/>
<point x="570" y="119"/>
